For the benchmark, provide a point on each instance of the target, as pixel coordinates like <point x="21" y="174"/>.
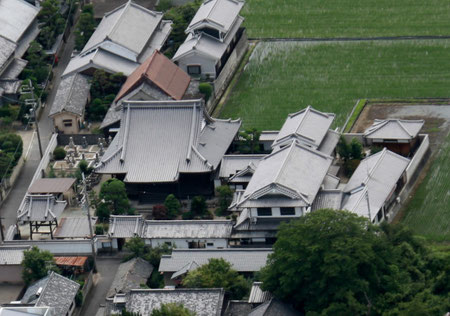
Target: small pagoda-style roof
<point x="40" y="208"/>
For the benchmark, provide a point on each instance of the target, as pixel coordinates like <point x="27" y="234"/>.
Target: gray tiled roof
<point x="6" y="50"/>
<point x="295" y="172"/>
<point x="394" y="129"/>
<point x="216" y="14"/>
<point x="57" y="292"/>
<point x="10" y="86"/>
<point x="329" y="142"/>
<point x="12" y="255"/>
<point x="328" y="199"/>
<point x="187" y="229"/>
<point x="231" y="164"/>
<point x="72" y="95"/>
<point x="274" y="307"/>
<point x="74" y="227"/>
<point x="40" y="208"/>
<point x="308" y="126"/>
<point x="130" y="275"/>
<point x="203" y="302"/>
<point x="158" y="140"/>
<point x="14" y="69"/>
<point x="257" y="295"/>
<point x="206" y="45"/>
<point x="242" y="260"/>
<point x="378" y="175"/>
<point x="15" y="18"/>
<point x="117" y="26"/>
<point x="125" y="226"/>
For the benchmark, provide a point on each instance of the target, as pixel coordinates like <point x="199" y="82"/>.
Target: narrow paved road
<point x="8" y="209"/>
<point x="107" y="268"/>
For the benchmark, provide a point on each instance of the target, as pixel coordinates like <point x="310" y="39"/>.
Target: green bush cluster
<point x="11" y="147"/>
<point x="59" y="153"/>
<point x="206" y="89"/>
<point x="85" y="26"/>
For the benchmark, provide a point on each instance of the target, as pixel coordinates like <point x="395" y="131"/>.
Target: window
<point x="194" y="69"/>
<point x="379" y="216"/>
<point x="196" y="244"/>
<point x="168" y="243"/>
<point x="287" y="211"/>
<point x="210" y="244"/>
<point x="67" y="123"/>
<point x="264" y="211"/>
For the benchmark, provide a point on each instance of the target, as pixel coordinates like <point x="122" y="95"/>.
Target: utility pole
<point x="33" y="103"/>
<point x="85" y="202"/>
<point x="1" y="229"/>
<point x="368" y="204"/>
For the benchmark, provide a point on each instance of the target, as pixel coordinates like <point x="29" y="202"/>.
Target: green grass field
<point x="428" y="213"/>
<point x="346" y="18"/>
<point x="284" y="77"/>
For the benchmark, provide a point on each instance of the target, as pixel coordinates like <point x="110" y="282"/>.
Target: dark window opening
<point x="287" y="211"/>
<point x="379" y="215"/>
<point x="194" y="69"/>
<point x="67" y="123"/>
<point x="264" y="211"/>
<point x="196" y="244"/>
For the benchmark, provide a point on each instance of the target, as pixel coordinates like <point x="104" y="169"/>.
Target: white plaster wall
<point x="208" y="65"/>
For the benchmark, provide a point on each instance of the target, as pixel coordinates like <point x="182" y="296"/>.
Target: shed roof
<point x="242" y="260"/>
<point x="51" y="185"/>
<point x="14" y="69"/>
<point x="12" y="255"/>
<point x="162" y="72"/>
<point x="232" y="164"/>
<point x="15" y="18"/>
<point x="71" y="261"/>
<point x="74" y="227"/>
<point x="374" y="179"/>
<point x="203" y="302"/>
<point x="328" y="199"/>
<point x="273" y="307"/>
<point x="72" y="95"/>
<point x="394" y="129"/>
<point x="216" y="14"/>
<point x="295" y="172"/>
<point x="177" y="136"/>
<point x="173" y="229"/>
<point x="57" y="292"/>
<point x="130" y="275"/>
<point x="308" y="126"/>
<point x="43" y="208"/>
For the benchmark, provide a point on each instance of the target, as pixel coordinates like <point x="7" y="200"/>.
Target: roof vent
<point x="39" y="291"/>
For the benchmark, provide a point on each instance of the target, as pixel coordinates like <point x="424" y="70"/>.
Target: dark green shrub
<point x="172" y="205"/>
<point x="187" y="215"/>
<point x="198" y="206"/>
<point x="225" y="198"/>
<point x="206" y="89"/>
<point x="59" y="153"/>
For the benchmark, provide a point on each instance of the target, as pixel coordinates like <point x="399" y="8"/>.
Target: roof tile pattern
<point x="394" y="129"/>
<point x="72" y="95"/>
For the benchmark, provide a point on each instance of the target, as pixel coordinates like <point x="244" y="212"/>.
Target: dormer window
<point x="211" y="32"/>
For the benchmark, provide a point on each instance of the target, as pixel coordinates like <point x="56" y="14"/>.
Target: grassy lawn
<point x="284" y="77"/>
<point x="428" y="213"/>
<point x="346" y="18"/>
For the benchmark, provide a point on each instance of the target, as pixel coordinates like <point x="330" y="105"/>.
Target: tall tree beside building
<point x="114" y="199"/>
<point x="36" y="264"/>
<point x="334" y="262"/>
<point x="85" y="26"/>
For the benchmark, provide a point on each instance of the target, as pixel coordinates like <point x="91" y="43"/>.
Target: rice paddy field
<point x="284" y="77"/>
<point x="346" y="18"/>
<point x="428" y="213"/>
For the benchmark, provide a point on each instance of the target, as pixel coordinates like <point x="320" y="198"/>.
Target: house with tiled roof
<point x="165" y="147"/>
<point x="53" y="291"/>
<point x="123" y="40"/>
<point x="158" y="78"/>
<point x="212" y="36"/>
<point x="68" y="108"/>
<point x="11" y="263"/>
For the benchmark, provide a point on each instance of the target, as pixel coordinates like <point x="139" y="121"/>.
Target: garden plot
<point x="428" y="212"/>
<point x="284" y="77"/>
<point x="346" y="18"/>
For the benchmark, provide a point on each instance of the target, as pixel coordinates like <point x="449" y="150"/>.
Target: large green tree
<point x="217" y="273"/>
<point x="114" y="199"/>
<point x="85" y="26"/>
<point x="172" y="309"/>
<point x="334" y="262"/>
<point x="36" y="264"/>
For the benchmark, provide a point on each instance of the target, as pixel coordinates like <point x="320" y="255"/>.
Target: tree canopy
<point x="334" y="262"/>
<point x="172" y="309"/>
<point x="217" y="273"/>
<point x="36" y="264"/>
<point x="114" y="199"/>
